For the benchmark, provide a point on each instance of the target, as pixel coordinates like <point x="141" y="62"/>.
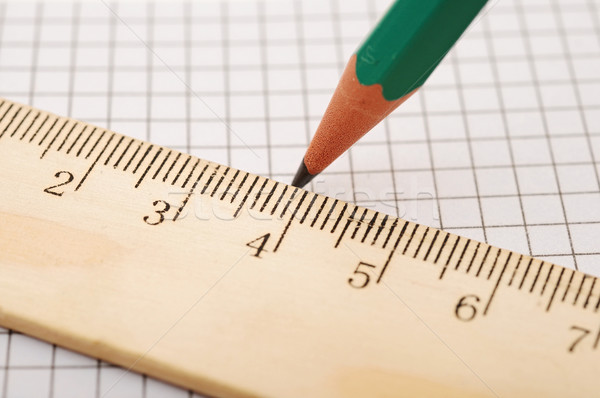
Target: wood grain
<point x="339" y="301"/>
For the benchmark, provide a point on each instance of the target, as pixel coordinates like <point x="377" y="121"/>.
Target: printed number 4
<point x="259" y="244"/>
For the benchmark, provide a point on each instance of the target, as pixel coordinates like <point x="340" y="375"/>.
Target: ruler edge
<point x="52" y="335"/>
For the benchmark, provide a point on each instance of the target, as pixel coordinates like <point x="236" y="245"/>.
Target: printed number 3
<point x="161" y="212"/>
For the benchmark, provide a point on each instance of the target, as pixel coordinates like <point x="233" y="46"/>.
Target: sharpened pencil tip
<point x="302" y="176"/>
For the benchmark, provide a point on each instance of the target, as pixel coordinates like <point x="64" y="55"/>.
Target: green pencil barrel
<point x="410" y="41"/>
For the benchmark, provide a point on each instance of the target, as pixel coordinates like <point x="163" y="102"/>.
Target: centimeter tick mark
<point x="412" y="235"/>
<point x="237" y="172"/>
<point x="579" y="290"/>
<point x="390" y="232"/>
<point x="212" y="176"/>
<point x="487" y="252"/>
<point x="278" y="201"/>
<point x="62" y="144"/>
<point x="359" y="223"/>
<point x="95" y="161"/>
<point x="329" y="213"/>
<point x="312" y="224"/>
<point x="6" y="111"/>
<point x="39" y="128"/>
<point x="547" y="279"/>
<point x="190" y="193"/>
<point x="462" y="255"/>
<point x="12" y="119"/>
<point x="525" y="273"/>
<point x="257" y="197"/>
<point x="269" y="196"/>
<point x="515" y="270"/>
<point x="310" y="205"/>
<point x="473" y="258"/>
<point x="139" y="147"/>
<point x="387" y="262"/>
<point x="187" y="179"/>
<point x="289" y="202"/>
<point x="421" y="242"/>
<point x="589" y="295"/>
<point x="435" y="236"/>
<point x="348" y="221"/>
<point x="48" y="131"/>
<point x="237" y="191"/>
<point x="369" y="227"/>
<point x="562" y="271"/>
<point x="494" y="264"/>
<point x="568" y="286"/>
<point x="77" y="138"/>
<point x="30" y="125"/>
<point x="109" y="157"/>
<point x="92" y="132"/>
<point x="21" y="122"/>
<point x="537" y="275"/>
<point x="450" y="257"/>
<point x="131" y="141"/>
<point x="219" y="182"/>
<point x="287" y="226"/>
<point x="340" y="217"/>
<point x="171" y="167"/>
<point x="379" y="229"/>
<point x="137" y="184"/>
<point x="144" y="157"/>
<point x="95" y="144"/>
<point x="55" y="137"/>
<point x="241" y="205"/>
<point x="442" y="249"/>
<point x="487" y="307"/>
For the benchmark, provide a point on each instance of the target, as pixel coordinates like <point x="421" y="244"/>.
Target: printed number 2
<point x="51" y="191"/>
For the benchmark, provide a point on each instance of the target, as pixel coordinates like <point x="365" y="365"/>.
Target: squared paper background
<point x="501" y="144"/>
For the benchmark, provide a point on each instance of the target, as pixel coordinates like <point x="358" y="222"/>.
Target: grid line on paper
<point x="300" y="44"/>
<point x="504" y="124"/>
<point x="461" y="101"/>
<point x="523" y="26"/>
<point x="225" y="49"/>
<point x="431" y="160"/>
<point x="573" y="80"/>
<point x="265" y="80"/>
<point x="341" y="60"/>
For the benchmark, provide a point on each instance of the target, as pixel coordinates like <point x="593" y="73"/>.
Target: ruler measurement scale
<point x="483" y="269"/>
<point x="349" y="220"/>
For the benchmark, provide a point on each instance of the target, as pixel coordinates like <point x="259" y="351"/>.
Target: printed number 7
<point x="361" y="277"/>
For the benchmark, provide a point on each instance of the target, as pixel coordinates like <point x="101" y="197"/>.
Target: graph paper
<point x="501" y="145"/>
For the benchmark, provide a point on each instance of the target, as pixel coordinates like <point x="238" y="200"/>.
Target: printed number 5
<point x="361" y="277"/>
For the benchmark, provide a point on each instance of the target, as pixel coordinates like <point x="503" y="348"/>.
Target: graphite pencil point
<point x="303" y="176"/>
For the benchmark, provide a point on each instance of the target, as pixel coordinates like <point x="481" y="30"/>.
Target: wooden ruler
<point x="232" y="284"/>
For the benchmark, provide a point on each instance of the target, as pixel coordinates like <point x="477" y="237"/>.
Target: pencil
<point x="393" y="62"/>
